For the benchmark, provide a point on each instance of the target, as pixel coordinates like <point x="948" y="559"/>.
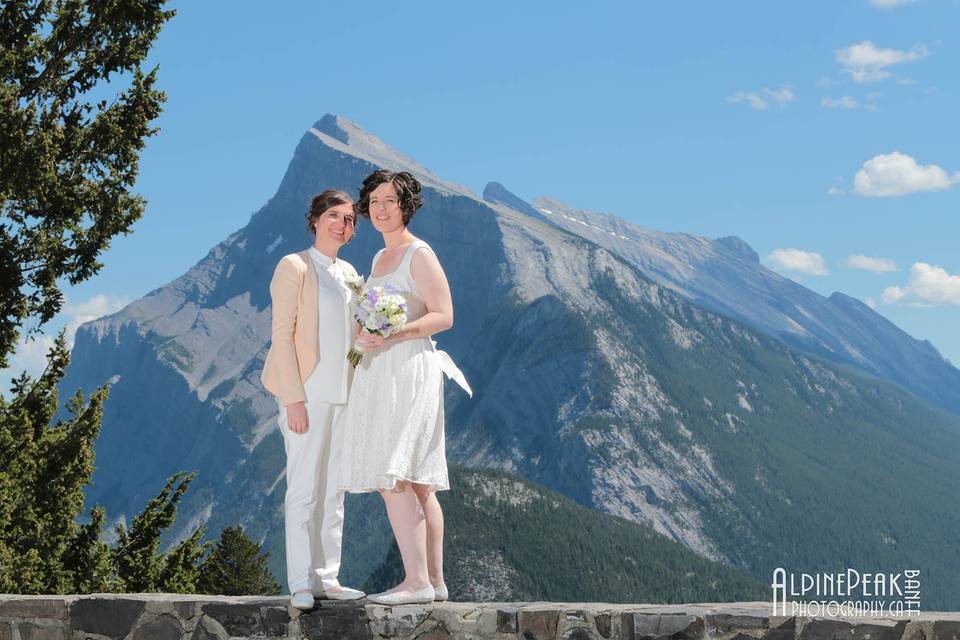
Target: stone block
<point x="602" y="623"/>
<point x="823" y="629"/>
<point x="186" y="610"/>
<point x="581" y="624"/>
<point x="538" y="624"/>
<point x="250" y="620"/>
<point x="346" y="622"/>
<point x="638" y="625"/>
<point x="209" y="629"/>
<point x="946" y="630"/>
<point x="6" y="633"/>
<point x="52" y="608"/>
<point x="276" y="621"/>
<point x="407" y="618"/>
<point x="781" y="629"/>
<point x="735" y="623"/>
<point x="112" y="617"/>
<point x="164" y="627"/>
<point x="506" y="620"/>
<point x="460" y="621"/>
<point x="433" y="630"/>
<point x="50" y="631"/>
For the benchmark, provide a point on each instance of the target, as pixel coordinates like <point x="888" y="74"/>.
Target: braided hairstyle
<point x="408" y="192"/>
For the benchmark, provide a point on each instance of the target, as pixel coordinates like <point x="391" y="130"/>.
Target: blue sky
<point x="815" y="131"/>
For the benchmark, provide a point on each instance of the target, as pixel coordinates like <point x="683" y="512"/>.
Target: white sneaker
<point x="341" y="593"/>
<point x="440" y="593"/>
<point x="421" y="596"/>
<point x="302" y="600"/>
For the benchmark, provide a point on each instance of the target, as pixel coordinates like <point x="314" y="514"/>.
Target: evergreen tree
<point x="44" y="470"/>
<point x="140" y="565"/>
<point x="67" y="167"/>
<point x="69" y="160"/>
<point x="237" y="567"/>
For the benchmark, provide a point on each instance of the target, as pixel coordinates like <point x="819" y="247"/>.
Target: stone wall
<point x="178" y="617"/>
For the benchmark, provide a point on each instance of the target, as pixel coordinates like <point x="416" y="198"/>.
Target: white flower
<point x="354" y="281"/>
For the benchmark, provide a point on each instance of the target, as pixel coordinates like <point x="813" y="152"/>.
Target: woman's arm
<point x="284" y="296"/>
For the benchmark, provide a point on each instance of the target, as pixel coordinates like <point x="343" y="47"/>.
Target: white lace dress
<point x="392" y="427"/>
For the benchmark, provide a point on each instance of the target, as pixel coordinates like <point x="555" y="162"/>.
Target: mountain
<point x="590" y="379"/>
<point x="726" y="276"/>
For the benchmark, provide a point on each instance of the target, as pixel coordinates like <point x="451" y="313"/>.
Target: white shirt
<point x="328" y="382"/>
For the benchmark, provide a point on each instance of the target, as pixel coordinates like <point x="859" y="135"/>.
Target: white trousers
<point x="313" y="508"/>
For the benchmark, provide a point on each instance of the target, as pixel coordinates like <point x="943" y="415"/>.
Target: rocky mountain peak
<point x="496" y="193"/>
<point x="347" y="137"/>
<point x="739" y="247"/>
<point x="336" y="127"/>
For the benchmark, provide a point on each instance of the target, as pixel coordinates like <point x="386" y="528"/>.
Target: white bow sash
<point x="451" y="370"/>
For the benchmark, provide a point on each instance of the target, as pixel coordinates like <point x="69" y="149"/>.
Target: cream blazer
<point x="295" y="336"/>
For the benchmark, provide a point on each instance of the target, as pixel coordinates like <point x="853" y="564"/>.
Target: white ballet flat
<point x="440" y="593"/>
<point x="302" y="600"/>
<point x="343" y="593"/>
<point x="421" y="596"/>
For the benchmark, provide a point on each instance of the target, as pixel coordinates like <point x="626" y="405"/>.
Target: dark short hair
<point x="408" y="192"/>
<point x="323" y="201"/>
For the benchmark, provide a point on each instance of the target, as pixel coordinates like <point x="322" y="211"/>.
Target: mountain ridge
<point x="726" y="276"/>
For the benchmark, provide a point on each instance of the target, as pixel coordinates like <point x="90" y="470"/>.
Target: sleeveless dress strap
<point x="408" y="256"/>
<point x="376" y="259"/>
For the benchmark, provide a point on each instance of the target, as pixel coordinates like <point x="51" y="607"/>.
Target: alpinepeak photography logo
<point x="848" y="593"/>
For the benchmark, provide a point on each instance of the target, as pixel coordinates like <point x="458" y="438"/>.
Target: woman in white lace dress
<point x="393" y="425"/>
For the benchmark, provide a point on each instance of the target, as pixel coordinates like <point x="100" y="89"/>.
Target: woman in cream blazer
<point x="307" y="370"/>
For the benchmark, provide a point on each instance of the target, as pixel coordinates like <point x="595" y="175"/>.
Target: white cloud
<point x="845" y="102"/>
<point x="929" y="286"/>
<point x="870" y="302"/>
<point x="796" y="260"/>
<point x="877" y="265"/>
<point x="31" y="355"/>
<point x="897" y="174"/>
<point x="96" y="307"/>
<point x="890" y="4"/>
<point x="765" y="97"/>
<point x="866" y="63"/>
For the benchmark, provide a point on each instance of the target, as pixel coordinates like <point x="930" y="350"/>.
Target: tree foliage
<point x="68" y="161"/>
<point x="140" y="566"/>
<point x="237" y="566"/>
<point x="68" y="155"/>
<point x="45" y="467"/>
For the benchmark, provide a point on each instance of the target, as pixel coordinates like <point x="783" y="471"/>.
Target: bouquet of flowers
<point x="379" y="310"/>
